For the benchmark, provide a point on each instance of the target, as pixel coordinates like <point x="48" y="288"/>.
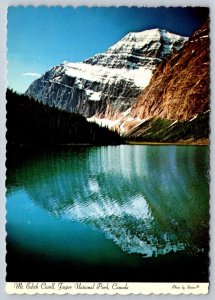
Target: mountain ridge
<point x="106" y="83"/>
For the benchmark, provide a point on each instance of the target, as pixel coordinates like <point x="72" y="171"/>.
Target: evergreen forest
<point x="30" y="122"/>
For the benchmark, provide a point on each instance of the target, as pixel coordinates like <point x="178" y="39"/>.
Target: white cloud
<point x="31" y="74"/>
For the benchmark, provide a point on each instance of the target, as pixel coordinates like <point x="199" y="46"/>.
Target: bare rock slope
<point x="177" y="99"/>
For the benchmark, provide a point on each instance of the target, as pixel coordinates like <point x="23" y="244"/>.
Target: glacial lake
<point x="114" y="213"/>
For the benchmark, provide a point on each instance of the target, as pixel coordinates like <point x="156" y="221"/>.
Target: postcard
<point x="108" y="150"/>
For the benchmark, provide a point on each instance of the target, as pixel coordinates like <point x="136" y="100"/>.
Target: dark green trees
<point x="31" y="122"/>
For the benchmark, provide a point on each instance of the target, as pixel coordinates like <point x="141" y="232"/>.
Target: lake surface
<point x="115" y="213"/>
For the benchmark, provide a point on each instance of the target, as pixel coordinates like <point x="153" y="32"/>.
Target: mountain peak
<point x="154" y="41"/>
<point x="108" y="80"/>
<point x="155" y="33"/>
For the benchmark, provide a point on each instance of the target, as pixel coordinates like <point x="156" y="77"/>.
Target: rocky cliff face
<point x="107" y="84"/>
<point x="179" y="89"/>
<point x="175" y="105"/>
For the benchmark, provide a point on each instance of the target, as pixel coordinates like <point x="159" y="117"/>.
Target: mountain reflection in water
<point x="149" y="200"/>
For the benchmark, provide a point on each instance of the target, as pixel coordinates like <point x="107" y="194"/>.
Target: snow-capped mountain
<point x="107" y="84"/>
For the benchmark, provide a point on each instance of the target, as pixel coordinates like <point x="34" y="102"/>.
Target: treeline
<point x="168" y="131"/>
<point x="31" y="122"/>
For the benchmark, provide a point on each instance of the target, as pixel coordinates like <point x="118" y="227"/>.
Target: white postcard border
<point x="10" y="286"/>
<point x="110" y="288"/>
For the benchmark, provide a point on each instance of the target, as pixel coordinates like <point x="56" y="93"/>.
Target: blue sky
<point x="40" y="38"/>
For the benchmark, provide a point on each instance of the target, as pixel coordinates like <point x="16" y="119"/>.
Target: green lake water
<point x="115" y="213"/>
